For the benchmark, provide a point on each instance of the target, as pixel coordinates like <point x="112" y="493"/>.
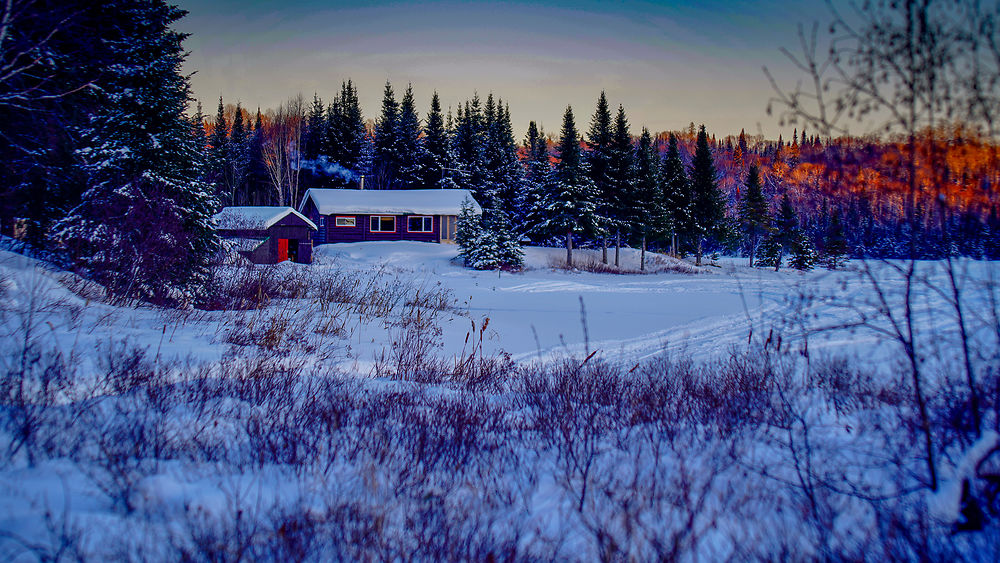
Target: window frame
<point x="352" y="218"/>
<point x="423" y="219"/>
<point x="372" y="221"/>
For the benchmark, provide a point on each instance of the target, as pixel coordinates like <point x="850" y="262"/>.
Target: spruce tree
<point x="237" y="160"/>
<point x="834" y="244"/>
<point x="599" y="149"/>
<point x="570" y="194"/>
<point x="753" y="212"/>
<point x="803" y="252"/>
<point x="537" y="169"/>
<point x="409" y="147"/>
<point x="439" y="161"/>
<point x="218" y="146"/>
<point x="676" y="221"/>
<point x="143" y="226"/>
<point x="708" y="209"/>
<point x="622" y="178"/>
<point x="505" y="175"/>
<point x="470" y="149"/>
<point x="645" y="203"/>
<point x="315" y="130"/>
<point x="468" y="232"/>
<point x="386" y="161"/>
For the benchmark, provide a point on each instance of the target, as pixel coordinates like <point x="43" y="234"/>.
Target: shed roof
<point x="397" y="202"/>
<point x="253" y="218"/>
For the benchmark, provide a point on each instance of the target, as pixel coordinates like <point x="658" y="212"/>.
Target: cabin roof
<point x="254" y="218"/>
<point x="395" y="202"/>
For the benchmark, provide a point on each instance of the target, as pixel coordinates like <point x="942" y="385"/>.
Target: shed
<point x="267" y="235"/>
<point x="362" y="215"/>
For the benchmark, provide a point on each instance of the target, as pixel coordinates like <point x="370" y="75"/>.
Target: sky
<point x="668" y="63"/>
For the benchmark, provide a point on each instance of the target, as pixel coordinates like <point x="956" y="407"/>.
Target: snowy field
<point x="334" y="421"/>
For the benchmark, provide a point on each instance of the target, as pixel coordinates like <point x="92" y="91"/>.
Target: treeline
<point x="679" y="191"/>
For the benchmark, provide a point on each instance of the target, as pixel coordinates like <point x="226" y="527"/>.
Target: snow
<point x="397" y="202"/>
<point x="254" y="218"/>
<point x="544" y="312"/>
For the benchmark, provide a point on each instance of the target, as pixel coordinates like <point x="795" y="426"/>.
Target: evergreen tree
<point x="258" y="183"/>
<point x="505" y="175"/>
<point x="599" y="149"/>
<point x="753" y="212"/>
<point x="387" y="160"/>
<point x="645" y="202"/>
<point x="834" y="244"/>
<point x="237" y="160"/>
<point x="218" y="147"/>
<point x="409" y="147"/>
<point x="467" y="232"/>
<point x="494" y="246"/>
<point x="570" y="194"/>
<point x="676" y="221"/>
<point x="803" y="253"/>
<point x="537" y="170"/>
<point x="784" y="235"/>
<point x="708" y="209"/>
<point x="315" y="130"/>
<point x="470" y="150"/>
<point x="439" y="161"/>
<point x="622" y="179"/>
<point x="143" y="226"/>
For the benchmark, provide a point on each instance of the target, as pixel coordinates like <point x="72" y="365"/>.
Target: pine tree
<point x="258" y="190"/>
<point x="409" y="148"/>
<point x="645" y="203"/>
<point x="785" y="234"/>
<point x="753" y="212"/>
<point x="622" y="178"/>
<point x="386" y="161"/>
<point x="570" y="194"/>
<point x="708" y="209"/>
<point x="143" y="226"/>
<point x="599" y="155"/>
<point x="677" y="218"/>
<point x="834" y="244"/>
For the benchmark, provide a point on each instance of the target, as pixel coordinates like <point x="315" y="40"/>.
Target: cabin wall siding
<point x="290" y="227"/>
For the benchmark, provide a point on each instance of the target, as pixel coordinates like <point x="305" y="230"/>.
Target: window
<point x="420" y="224"/>
<point x="383" y="224"/>
<point x="346" y="221"/>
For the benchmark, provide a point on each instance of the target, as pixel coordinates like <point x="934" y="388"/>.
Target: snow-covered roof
<point x="397" y="202"/>
<point x="241" y="244"/>
<point x="236" y="218"/>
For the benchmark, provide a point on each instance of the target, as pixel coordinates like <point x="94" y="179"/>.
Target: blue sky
<point x="668" y="63"/>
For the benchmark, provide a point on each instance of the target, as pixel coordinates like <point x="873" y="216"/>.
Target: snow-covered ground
<point x="188" y="432"/>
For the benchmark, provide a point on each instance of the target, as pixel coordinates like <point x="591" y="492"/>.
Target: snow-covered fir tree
<point x="571" y="198"/>
<point x="505" y="175"/>
<point x="613" y="207"/>
<point x="439" y="159"/>
<point x="834" y="244"/>
<point x="752" y="212"/>
<point x="409" y="147"/>
<point x="537" y="170"/>
<point x="143" y="226"/>
<point x="385" y="166"/>
<point x="599" y="154"/>
<point x="644" y="203"/>
<point x="708" y="209"/>
<point x="803" y="252"/>
<point x="676" y="188"/>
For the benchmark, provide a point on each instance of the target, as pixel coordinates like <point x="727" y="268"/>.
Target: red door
<point x="282" y="249"/>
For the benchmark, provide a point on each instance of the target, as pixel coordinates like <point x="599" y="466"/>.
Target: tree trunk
<point x="618" y="247"/>
<point x="697" y="256"/>
<point x="673" y="245"/>
<point x="642" y="255"/>
<point x="604" y="250"/>
<point x="569" y="248"/>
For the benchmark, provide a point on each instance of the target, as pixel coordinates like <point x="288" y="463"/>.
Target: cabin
<point x="364" y="215"/>
<point x="266" y="235"/>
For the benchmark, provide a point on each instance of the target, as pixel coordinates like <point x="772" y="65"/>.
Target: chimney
<point x="362" y="182"/>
